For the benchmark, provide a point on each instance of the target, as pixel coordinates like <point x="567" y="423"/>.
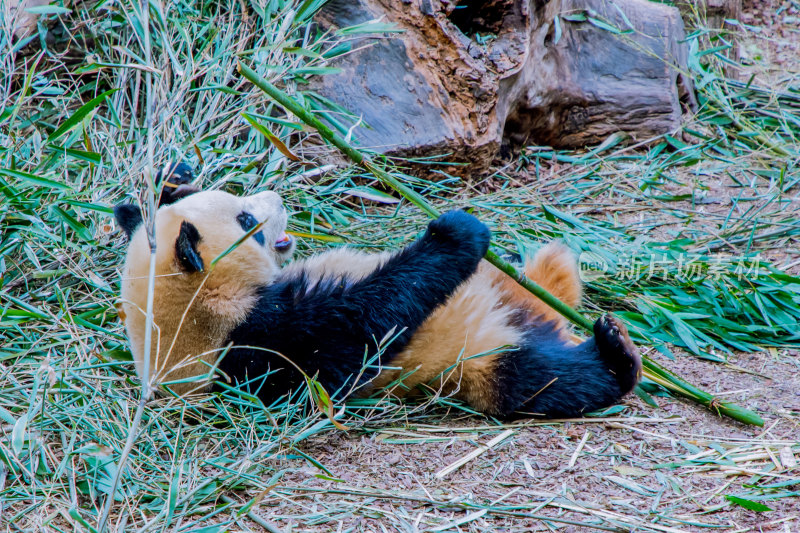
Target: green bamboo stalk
<point x="652" y="370"/>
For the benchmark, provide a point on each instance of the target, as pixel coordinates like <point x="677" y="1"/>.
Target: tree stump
<point x="467" y="76"/>
<point x="713" y="11"/>
<point x="712" y="14"/>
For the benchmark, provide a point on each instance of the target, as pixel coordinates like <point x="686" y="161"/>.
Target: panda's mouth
<point x="283" y="243"/>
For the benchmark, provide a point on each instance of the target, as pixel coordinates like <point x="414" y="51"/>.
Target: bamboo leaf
<point x="79" y="115"/>
<point x="81" y="230"/>
<point x="322" y="237"/>
<point x="748" y="504"/>
<point x="34" y="179"/>
<point x="18" y="434"/>
<point x="48" y="10"/>
<point x="282" y="148"/>
<point x="370" y="193"/>
<point x="372" y="27"/>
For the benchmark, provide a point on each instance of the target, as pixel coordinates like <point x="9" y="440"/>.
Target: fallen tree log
<point x="465" y="77"/>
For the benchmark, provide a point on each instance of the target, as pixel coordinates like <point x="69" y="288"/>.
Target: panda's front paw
<point x="618" y="351"/>
<point x="461" y="230"/>
<point x="175" y="179"/>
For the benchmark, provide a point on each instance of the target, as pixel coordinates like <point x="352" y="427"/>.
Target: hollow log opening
<point x="474" y="17"/>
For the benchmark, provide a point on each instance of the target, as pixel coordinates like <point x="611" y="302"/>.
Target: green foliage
<point x="748" y="504"/>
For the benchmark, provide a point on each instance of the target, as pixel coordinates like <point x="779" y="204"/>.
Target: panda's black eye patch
<point x="248" y="222"/>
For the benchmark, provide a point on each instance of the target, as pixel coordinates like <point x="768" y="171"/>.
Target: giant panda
<point x="433" y="314"/>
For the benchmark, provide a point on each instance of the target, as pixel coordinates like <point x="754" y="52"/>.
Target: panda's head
<point x="203" y="286"/>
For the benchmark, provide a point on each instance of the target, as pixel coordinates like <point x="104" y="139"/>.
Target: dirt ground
<point x="665" y="469"/>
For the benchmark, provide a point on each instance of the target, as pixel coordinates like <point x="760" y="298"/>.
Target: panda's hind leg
<point x="549" y="377"/>
<point x="555" y="268"/>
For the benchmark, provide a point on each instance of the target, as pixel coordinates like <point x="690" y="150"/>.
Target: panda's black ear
<point x="175" y="181"/>
<point x="186" y="248"/>
<point x="129" y="217"/>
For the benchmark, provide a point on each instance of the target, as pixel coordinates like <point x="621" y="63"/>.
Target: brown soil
<point x="633" y="470"/>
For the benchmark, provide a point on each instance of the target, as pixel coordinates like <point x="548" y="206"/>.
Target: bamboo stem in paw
<point x="653" y="371"/>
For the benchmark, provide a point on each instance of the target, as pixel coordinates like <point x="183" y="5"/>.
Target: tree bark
<point x="468" y="76"/>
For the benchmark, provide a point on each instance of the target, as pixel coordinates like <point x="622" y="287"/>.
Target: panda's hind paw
<point x="618" y="351"/>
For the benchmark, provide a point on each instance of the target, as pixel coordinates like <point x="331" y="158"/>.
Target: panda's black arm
<point x="328" y="327"/>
